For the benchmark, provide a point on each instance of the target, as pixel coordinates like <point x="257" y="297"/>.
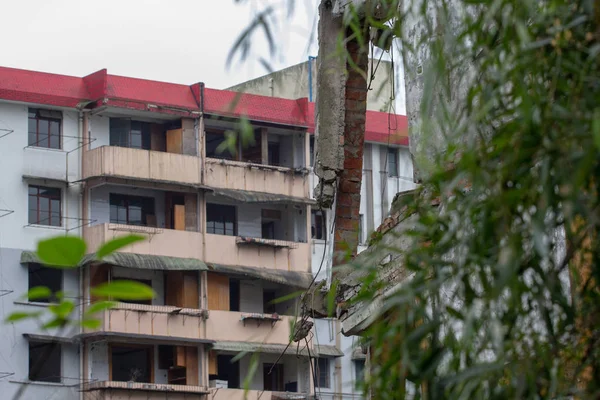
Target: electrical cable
<point x="391" y="107"/>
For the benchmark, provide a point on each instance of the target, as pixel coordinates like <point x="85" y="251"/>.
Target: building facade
<point x="230" y="227"/>
<point x="387" y="170"/>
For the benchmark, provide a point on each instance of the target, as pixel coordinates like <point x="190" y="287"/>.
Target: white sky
<point x="182" y="41"/>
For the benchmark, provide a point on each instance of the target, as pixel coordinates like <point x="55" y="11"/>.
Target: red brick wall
<point x="348" y="197"/>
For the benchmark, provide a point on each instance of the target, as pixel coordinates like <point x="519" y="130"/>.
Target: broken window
<point x="269" y="302"/>
<point x="221" y="219"/>
<point x="212" y="141"/>
<point x="132" y="210"/>
<point x="181" y="363"/>
<point x="128" y="133"/>
<point x="131" y="363"/>
<point x="318" y="225"/>
<point x="273" y="377"/>
<point x="49" y="277"/>
<point x="45" y="206"/>
<point x="44" y="128"/>
<point x="392" y="162"/>
<point x="359" y="371"/>
<point x="323" y="370"/>
<point x="252" y="151"/>
<point x="143" y="282"/>
<point x="270" y="224"/>
<point x="234" y="295"/>
<point x="273" y="156"/>
<point x="228" y="371"/>
<point x="44" y="362"/>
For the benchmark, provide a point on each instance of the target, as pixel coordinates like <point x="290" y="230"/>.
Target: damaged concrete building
<point x="228" y="231"/>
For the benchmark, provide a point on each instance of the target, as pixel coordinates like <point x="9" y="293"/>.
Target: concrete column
<point x="264" y="145"/>
<point x="191" y="212"/>
<point x="189" y="137"/>
<point x="329" y="118"/>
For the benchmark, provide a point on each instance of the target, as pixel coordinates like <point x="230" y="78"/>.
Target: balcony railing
<point x="237" y="175"/>
<point x="106" y="390"/>
<point x="228" y="250"/>
<point x="160" y="242"/>
<point x="241" y="394"/>
<point x="229" y="326"/>
<point x="142" y="319"/>
<point x="146" y="165"/>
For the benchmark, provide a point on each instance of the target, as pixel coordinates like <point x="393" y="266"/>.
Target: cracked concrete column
<point x="340" y="125"/>
<point x="331" y="67"/>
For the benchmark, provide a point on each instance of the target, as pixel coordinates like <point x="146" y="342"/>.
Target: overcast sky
<point x="183" y="41"/>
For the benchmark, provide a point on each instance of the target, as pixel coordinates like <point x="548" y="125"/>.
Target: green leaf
<point x="596" y="127"/>
<point x="38" y="292"/>
<point x="18" y="316"/>
<point x="63" y="309"/>
<point x="61" y="252"/>
<point x="124" y="290"/>
<point x="91" y="323"/>
<point x="118" y="243"/>
<point x="283" y="299"/>
<point x="331" y="296"/>
<point x="100" y="306"/>
<point x="55" y="323"/>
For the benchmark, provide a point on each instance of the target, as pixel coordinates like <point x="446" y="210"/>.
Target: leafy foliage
<point x="67" y="252"/>
<point x="502" y="300"/>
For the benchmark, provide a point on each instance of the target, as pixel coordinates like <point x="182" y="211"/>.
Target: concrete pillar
<point x="264" y="143"/>
<point x="191" y="212"/>
<point x="329" y="118"/>
<point x="189" y="137"/>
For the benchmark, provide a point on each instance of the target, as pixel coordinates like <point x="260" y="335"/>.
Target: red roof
<point x="41" y="88"/>
<point x="153" y="92"/>
<point x="141" y="94"/>
<point x="254" y="107"/>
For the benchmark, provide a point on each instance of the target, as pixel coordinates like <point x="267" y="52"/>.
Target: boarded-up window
<point x="218" y="292"/>
<point x="181" y="289"/>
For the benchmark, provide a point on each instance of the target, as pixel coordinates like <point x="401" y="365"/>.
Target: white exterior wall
<point x="99" y="129"/>
<point x="48" y="165"/>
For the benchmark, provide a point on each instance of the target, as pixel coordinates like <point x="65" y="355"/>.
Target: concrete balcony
<point x="144" y="165"/>
<point x="229" y="326"/>
<point x="49" y="164"/>
<point x="275" y="254"/>
<point x="241" y="394"/>
<point x="225" y="174"/>
<point x="163" y="322"/>
<point x="160" y="242"/>
<point x="110" y="390"/>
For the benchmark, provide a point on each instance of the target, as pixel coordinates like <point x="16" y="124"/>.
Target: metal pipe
<point x="310" y="78"/>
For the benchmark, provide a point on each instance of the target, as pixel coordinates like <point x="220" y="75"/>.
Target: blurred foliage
<point x="502" y="301"/>
<point x="68" y="252"/>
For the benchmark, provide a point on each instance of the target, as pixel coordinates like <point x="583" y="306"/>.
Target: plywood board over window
<point x="218" y="292"/>
<point x="98" y="274"/>
<point x="175" y="141"/>
<point x="182" y="289"/>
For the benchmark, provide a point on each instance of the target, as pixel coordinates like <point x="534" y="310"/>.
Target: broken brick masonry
<point x="341" y="117"/>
